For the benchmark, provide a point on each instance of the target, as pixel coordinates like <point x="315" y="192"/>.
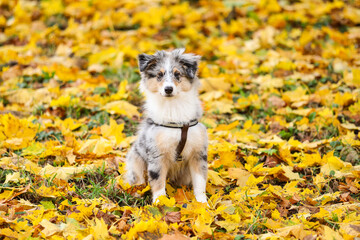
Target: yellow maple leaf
<point x="211" y="95"/>
<point x="215" y="179"/>
<point x="122" y="107"/>
<point x="22" y="96"/>
<point x="229" y="225"/>
<point x="154" y="16"/>
<point x="220" y="106"/>
<point x="288" y="172"/>
<point x="248" y="125"/>
<point x="113" y="132"/>
<point x="275" y="214"/>
<point x="270" y="5"/>
<point x="251" y="161"/>
<point x="35" y="149"/>
<point x="331" y="234"/>
<point x="64" y="73"/>
<point x="14" y="177"/>
<point x="99" y="229"/>
<point x="356" y="76"/>
<point x="309" y="160"/>
<point x="99" y="146"/>
<point x="211" y="84"/>
<point x="121" y="182"/>
<point x="50" y="192"/>
<point x="52" y="7"/>
<point x="202" y="223"/>
<point x="49" y="228"/>
<point x="240" y="174"/>
<point x="70" y="124"/>
<point x="121" y="93"/>
<point x="64" y="101"/>
<point x="2" y="21"/>
<point x="63" y="172"/>
<point x="164" y="200"/>
<point x="7" y="232"/>
<point x="16" y="133"/>
<point x="253" y="181"/>
<point x="227" y="159"/>
<point x="7" y="194"/>
<point x="227" y="127"/>
<point x="104" y="56"/>
<point x="73" y="228"/>
<point x="336" y="163"/>
<point x="286" y="65"/>
<point x="343" y="99"/>
<point x="296" y="230"/>
<point x="268" y="82"/>
<point x="296" y="96"/>
<point x="152" y="226"/>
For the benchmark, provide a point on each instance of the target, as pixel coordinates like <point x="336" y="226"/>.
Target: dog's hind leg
<point x="198" y="170"/>
<point x="135" y="167"/>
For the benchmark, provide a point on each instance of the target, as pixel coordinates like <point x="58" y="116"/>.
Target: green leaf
<point x="154" y="211"/>
<point x="285" y="135"/>
<point x="312" y="117"/>
<point x="170" y="209"/>
<point x="47" y="205"/>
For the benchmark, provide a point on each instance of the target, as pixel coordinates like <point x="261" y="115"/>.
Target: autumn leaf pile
<point x="280" y="90"/>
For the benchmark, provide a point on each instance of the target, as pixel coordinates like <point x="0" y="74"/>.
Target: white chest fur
<point x="183" y="108"/>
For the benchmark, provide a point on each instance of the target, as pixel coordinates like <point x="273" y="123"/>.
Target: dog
<point x="171" y="143"/>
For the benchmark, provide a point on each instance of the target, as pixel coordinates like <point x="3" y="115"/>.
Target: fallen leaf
<point x="172" y="217"/>
<point x="122" y="107"/>
<point x="49" y="228"/>
<point x="240" y="175"/>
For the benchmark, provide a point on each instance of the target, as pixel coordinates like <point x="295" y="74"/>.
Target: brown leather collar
<point x="172" y="124"/>
<point x="181" y="145"/>
<point x="184" y="131"/>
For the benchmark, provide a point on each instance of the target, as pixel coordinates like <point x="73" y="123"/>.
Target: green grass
<point x="89" y="184"/>
<point x="98" y="183"/>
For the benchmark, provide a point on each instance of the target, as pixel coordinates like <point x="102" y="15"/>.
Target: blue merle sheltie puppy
<point x="172" y="110"/>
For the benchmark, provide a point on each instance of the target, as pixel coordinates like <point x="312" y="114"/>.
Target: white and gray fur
<point x="153" y="152"/>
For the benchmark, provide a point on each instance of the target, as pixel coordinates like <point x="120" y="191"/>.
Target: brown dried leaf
<point x="175" y="236"/>
<point x="275" y="101"/>
<point x="172" y="217"/>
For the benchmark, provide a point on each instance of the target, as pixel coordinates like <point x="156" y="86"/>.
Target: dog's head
<point x="168" y="73"/>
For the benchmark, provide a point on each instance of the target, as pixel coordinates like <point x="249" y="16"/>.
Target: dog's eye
<point x="160" y="75"/>
<point x="177" y="75"/>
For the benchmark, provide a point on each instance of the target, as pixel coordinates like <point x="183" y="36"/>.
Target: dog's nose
<point x="168" y="90"/>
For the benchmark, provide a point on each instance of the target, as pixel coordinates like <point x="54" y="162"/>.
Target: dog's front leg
<point x="198" y="170"/>
<point x="157" y="178"/>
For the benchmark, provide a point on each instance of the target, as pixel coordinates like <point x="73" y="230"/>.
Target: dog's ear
<point x="190" y="64"/>
<point x="146" y="61"/>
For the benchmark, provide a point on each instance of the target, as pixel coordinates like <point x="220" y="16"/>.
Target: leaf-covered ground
<point x="280" y="90"/>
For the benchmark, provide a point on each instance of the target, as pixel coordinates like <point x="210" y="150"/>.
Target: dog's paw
<point x="158" y="194"/>
<point x="201" y="198"/>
